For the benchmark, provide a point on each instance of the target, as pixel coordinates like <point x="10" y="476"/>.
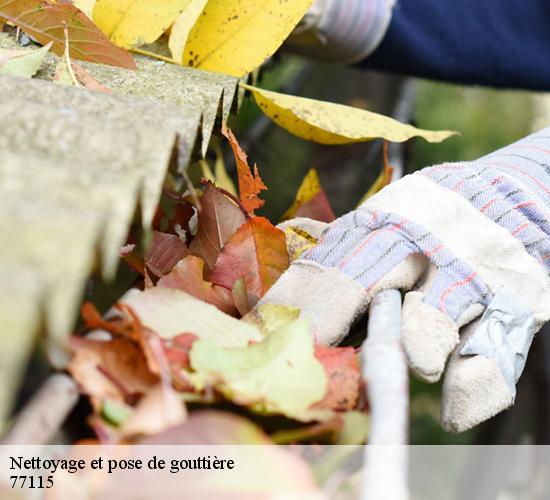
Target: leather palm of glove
<point x="344" y="31"/>
<point x="465" y="240"/>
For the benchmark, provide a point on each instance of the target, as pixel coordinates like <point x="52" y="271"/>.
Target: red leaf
<point x="318" y="208"/>
<point x="218" y="220"/>
<point x="256" y="251"/>
<point x="44" y="21"/>
<point x="188" y="275"/>
<point x="250" y="184"/>
<point x="311" y="201"/>
<point x="165" y="251"/>
<point x="344" y="376"/>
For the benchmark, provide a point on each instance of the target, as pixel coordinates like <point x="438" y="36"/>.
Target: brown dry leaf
<point x="188" y="275"/>
<point x="218" y="220"/>
<point x="344" y="376"/>
<point x="115" y="369"/>
<point x="45" y="21"/>
<point x="256" y="251"/>
<point x="250" y="184"/>
<point x="311" y="201"/>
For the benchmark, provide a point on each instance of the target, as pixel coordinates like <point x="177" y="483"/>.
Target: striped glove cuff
<point x="344" y="31"/>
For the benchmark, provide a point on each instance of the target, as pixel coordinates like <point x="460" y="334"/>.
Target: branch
<point x="42" y="417"/>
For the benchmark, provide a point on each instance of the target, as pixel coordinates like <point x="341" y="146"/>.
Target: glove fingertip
<point x="429" y="336"/>
<point x="474" y="390"/>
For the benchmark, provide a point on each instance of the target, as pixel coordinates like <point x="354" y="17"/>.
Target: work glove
<point x="470" y="244"/>
<point x="344" y="31"/>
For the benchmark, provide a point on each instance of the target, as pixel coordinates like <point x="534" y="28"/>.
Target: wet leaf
<point x="218" y="220"/>
<point x="257" y="252"/>
<point x="171" y="312"/>
<point x="45" y="22"/>
<point x="188" y="275"/>
<point x="250" y="184"/>
<point x="236" y="36"/>
<point x="311" y="201"/>
<point x="344" y="375"/>
<point x="24" y="63"/>
<point x="130" y="23"/>
<point x="278" y="375"/>
<point x="330" y="123"/>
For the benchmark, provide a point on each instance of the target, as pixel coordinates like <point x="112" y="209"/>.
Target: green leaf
<point x="23" y="63"/>
<point x="278" y="375"/>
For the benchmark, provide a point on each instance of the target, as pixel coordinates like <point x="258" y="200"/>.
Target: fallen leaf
<point x="311" y="201"/>
<point x="86" y="6"/>
<point x="319" y="432"/>
<point x="45" y="21"/>
<point x="160" y="409"/>
<point x="250" y="184"/>
<point x="24" y="63"/>
<point x="236" y="36"/>
<point x="256" y="251"/>
<point x="218" y="219"/>
<point x="182" y="27"/>
<point x="298" y="241"/>
<point x="188" y="275"/>
<point x="171" y="312"/>
<point x="83" y="78"/>
<point x="330" y="123"/>
<point x="130" y="23"/>
<point x="209" y="427"/>
<point x="115" y="369"/>
<point x="164" y="252"/>
<point x="280" y="374"/>
<point x="270" y="317"/>
<point x="356" y="428"/>
<point x="241" y="298"/>
<point x="343" y="374"/>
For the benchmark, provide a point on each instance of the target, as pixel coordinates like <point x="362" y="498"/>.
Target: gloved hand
<point x="344" y="31"/>
<point x="467" y="239"/>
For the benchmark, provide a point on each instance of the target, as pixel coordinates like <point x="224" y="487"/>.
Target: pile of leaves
<point x="195" y="334"/>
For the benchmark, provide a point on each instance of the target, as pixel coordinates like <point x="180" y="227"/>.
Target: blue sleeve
<point x="500" y="43"/>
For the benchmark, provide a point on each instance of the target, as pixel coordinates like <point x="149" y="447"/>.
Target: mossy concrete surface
<point x="75" y="165"/>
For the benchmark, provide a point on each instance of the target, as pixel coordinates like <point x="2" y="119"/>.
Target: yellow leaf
<point x="130" y="23"/>
<point x="86" y="6"/>
<point x="236" y="36"/>
<point x="330" y="123"/>
<point x="311" y="201"/>
<point x="182" y="27"/>
<point x="298" y="241"/>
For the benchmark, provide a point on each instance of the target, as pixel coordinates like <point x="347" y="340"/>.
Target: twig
<point x="42" y="417"/>
<point x="385" y="370"/>
<point x="385" y="367"/>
